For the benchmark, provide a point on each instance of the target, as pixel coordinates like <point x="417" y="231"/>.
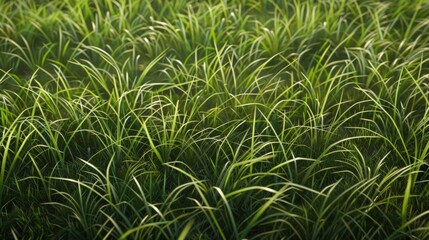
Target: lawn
<point x="241" y="119"/>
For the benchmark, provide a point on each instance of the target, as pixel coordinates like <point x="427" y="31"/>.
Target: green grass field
<point x="291" y="119"/>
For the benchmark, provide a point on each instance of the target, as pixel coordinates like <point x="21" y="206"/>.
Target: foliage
<point x="214" y="119"/>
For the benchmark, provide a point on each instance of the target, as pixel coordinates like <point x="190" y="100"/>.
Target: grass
<point x="214" y="120"/>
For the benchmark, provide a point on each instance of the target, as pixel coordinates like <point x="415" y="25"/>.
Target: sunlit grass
<point x="235" y="119"/>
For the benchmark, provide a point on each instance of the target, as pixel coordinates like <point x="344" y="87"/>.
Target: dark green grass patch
<point x="235" y="119"/>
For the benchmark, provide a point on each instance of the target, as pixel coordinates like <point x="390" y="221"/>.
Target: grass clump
<point x="216" y="120"/>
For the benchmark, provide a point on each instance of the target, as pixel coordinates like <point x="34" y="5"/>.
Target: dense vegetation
<point x="235" y="119"/>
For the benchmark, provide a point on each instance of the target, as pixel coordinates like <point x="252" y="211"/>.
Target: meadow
<point x="240" y="119"/>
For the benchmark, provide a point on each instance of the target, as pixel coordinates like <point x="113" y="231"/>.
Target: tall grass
<point x="214" y="120"/>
